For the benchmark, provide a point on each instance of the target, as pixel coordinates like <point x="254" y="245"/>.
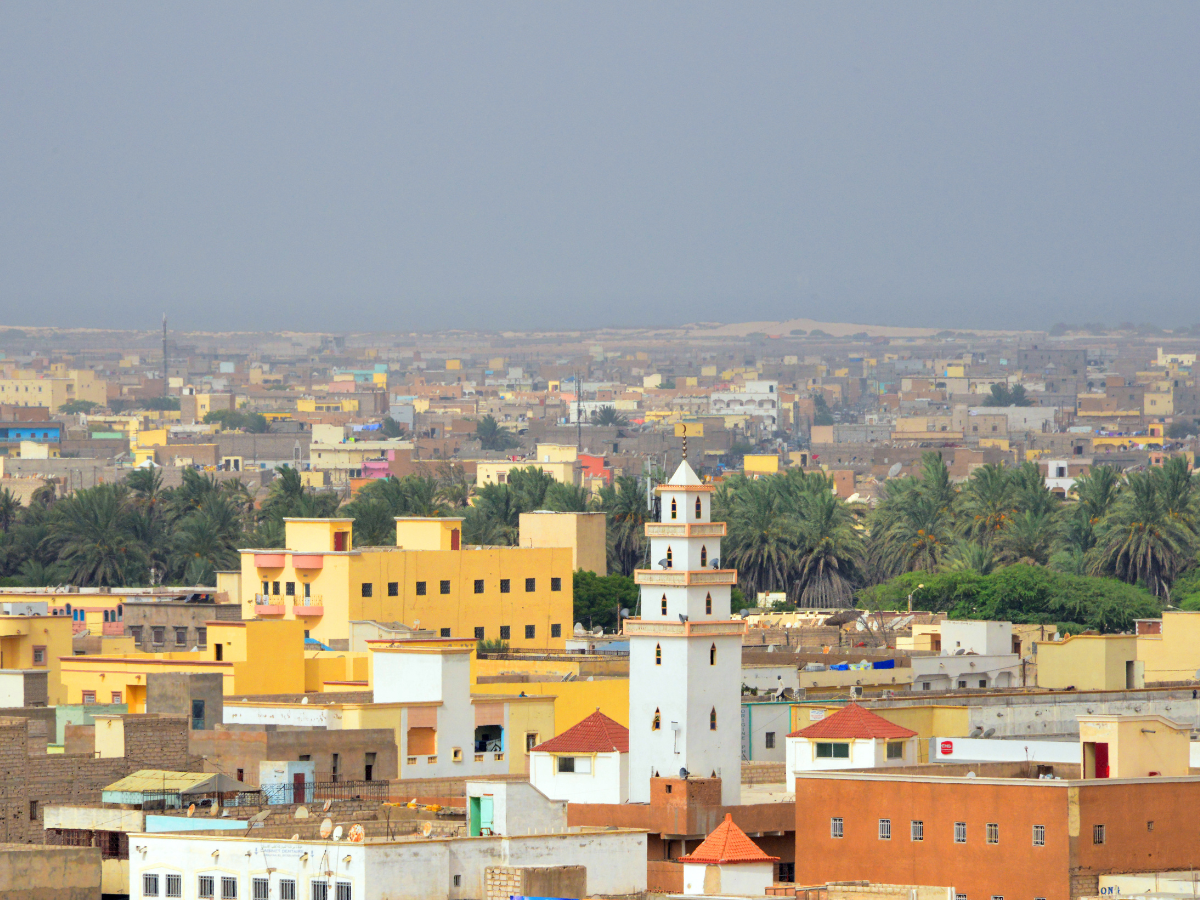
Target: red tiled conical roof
<point x="854" y="721"/>
<point x="595" y="734"/>
<point x="727" y="844"/>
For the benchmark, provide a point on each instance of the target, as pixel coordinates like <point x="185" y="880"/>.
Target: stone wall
<point x="502" y="882"/>
<point x="49" y="873"/>
<point x="764" y="772"/>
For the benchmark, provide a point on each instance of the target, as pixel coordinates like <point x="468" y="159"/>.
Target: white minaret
<point x="685" y="651"/>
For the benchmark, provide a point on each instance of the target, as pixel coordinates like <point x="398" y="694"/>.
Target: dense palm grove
<point x="999" y="544"/>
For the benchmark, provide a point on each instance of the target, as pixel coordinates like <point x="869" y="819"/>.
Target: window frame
<point x="149" y="884"/>
<point x="444" y="586"/>
<point x="506" y="585"/>
<point x="206" y="887"/>
<point x="960" y="832"/>
<point x="368" y="589"/>
<point x="421" y="589"/>
<point x="831" y="749"/>
<point x="837" y="827"/>
<point x="916" y="830"/>
<point x="885" y="829"/>
<point x="993" y="833"/>
<point x="530" y="585"/>
<point x="479" y="585"/>
<point x="530" y="632"/>
<point x="1039" y="835"/>
<point x="555" y="583"/>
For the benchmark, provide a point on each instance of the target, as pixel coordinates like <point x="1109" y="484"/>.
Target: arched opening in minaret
<point x="673" y="507"/>
<point x="712" y="720"/>
<point x="664" y="604"/>
<point x="658" y="654"/>
<point x="670" y="558"/>
<point x="712" y="655"/>
<point x="708" y="604"/>
<point x="703" y="557"/>
<point x="698" y="513"/>
<point x="657" y="721"/>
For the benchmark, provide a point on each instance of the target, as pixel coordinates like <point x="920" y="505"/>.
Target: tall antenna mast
<point x="578" y="413"/>
<point x="164" y="354"/>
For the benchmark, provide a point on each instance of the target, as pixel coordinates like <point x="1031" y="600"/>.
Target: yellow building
<point x="52" y="390"/>
<point x="1090" y="662"/>
<point x="1134" y="746"/>
<point x="252" y="658"/>
<point x="760" y="464"/>
<point x="521" y="595"/>
<point x="1173" y="655"/>
<point x="39" y="643"/>
<point x="584" y="533"/>
<point x="928" y="721"/>
<point x="559" y="461"/>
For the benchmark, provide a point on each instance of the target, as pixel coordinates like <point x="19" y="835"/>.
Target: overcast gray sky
<point x="516" y="165"/>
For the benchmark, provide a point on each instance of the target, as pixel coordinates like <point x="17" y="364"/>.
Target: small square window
<point x="393" y="589"/>
<point x="1039" y="835"/>
<point x="445" y="632"/>
<point x="420" y="589"/>
<point x="895" y="750"/>
<point x="1150" y="826"/>
<point x="444" y="587"/>
<point x="39" y="656"/>
<point x="836" y="829"/>
<point x="479" y="633"/>
<point x="530" y="585"/>
<point x="479" y="585"/>
<point x="456" y="754"/>
<point x="917" y="830"/>
<point x="556" y="584"/>
<point x="367" y="589"/>
<point x="289" y="589"/>
<point x="505" y="631"/>
<point x="993" y="833"/>
<point x="555" y="631"/>
<point x="885" y="829"/>
<point x="530" y="632"/>
<point x="180" y="637"/>
<point x="505" y="585"/>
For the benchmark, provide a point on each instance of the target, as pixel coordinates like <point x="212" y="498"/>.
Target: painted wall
<point x="607" y="780"/>
<point x="1088" y="662"/>
<point x="979" y="750"/>
<point x="734" y="880"/>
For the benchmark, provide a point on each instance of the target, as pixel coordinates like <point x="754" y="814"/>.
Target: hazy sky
<point x="519" y="165"/>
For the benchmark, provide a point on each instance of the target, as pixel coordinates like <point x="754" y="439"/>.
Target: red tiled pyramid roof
<point x="853" y="721"/>
<point x="595" y="734"/>
<point x="727" y="844"/>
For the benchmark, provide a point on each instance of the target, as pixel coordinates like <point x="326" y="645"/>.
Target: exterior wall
<point x="1175" y="654"/>
<point x="519" y="809"/>
<point x="172" y="694"/>
<point x="1138" y="746"/>
<point x="969" y="750"/>
<point x="763" y="724"/>
<point x="1087" y="662"/>
<point x="574" y="701"/>
<point x="140" y="620"/>
<point x="734" y="880"/>
<point x="230" y="751"/>
<point x="607" y="782"/>
<point x="864" y="754"/>
<point x="584" y="533"/>
<point x="49" y="873"/>
<point x="21" y="635"/>
<point x="1125" y="808"/>
<point x="943" y="673"/>
<point x="981" y="637"/>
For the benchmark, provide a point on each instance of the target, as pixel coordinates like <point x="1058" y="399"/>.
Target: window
<point x="895" y="750"/>
<point x="420" y="589"/>
<point x="456" y="754"/>
<point x="712" y="655"/>
<point x="556" y="584"/>
<point x="674" y="508"/>
<point x="202" y="635"/>
<point x="479" y="633"/>
<point x="530" y="632"/>
<point x="443" y="587"/>
<point x="33" y="810"/>
<point x="457" y="880"/>
<point x="369" y="767"/>
<point x="260" y="888"/>
<point x="658" y="654"/>
<point x="343" y="891"/>
<point x="39" y="656"/>
<point x="530" y="585"/>
<point x="479" y="585"/>
<point x="708" y="604"/>
<point x="320" y="890"/>
<point x="289" y="589"/>
<point x="393" y="589"/>
<point x="149" y="885"/>
<point x="157" y="633"/>
<point x="275" y="588"/>
<point x="333" y="767"/>
<point x="89" y="697"/>
<point x="993" y="833"/>
<point x="555" y="631"/>
<point x="287" y="889"/>
<point x="135" y="632"/>
<point x="174" y="885"/>
<point x="836" y="827"/>
<point x="197" y="715"/>
<point x="670" y="558"/>
<point x="885" y="829"/>
<point x="1150" y="825"/>
<point x="505" y="631"/>
<point x="664" y="604"/>
<point x="962" y="683"/>
<point x="698" y="508"/>
<point x="833" y="751"/>
<point x="1097" y="834"/>
<point x="116" y="697"/>
<point x="703" y="556"/>
<point x="445" y="632"/>
<point x="505" y="585"/>
<point x="566" y="764"/>
<point x="960" y="897"/>
<point x="657" y="721"/>
<point x="917" y="830"/>
<point x="367" y="589"/>
<point x="712" y="719"/>
<point x="204" y="887"/>
<point x="769" y="740"/>
<point x="180" y="637"/>
<point x="960" y="832"/>
<point x="266" y="587"/>
<point x="531" y="740"/>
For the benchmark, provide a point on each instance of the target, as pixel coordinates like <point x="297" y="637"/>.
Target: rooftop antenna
<point x="164" y="354"/>
<point x="578" y="414"/>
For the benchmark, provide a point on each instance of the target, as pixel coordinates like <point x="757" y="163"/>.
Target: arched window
<point x="698" y="508"/>
<point x="703" y="557"/>
<point x="708" y="604"/>
<point x="673" y="507"/>
<point x="658" y="654"/>
<point x="657" y="721"/>
<point x="670" y="558"/>
<point x="712" y="655"/>
<point x="664" y="604"/>
<point x="712" y="720"/>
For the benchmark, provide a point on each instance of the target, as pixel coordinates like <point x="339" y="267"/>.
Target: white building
<point x="587" y="763"/>
<point x="851" y="738"/>
<point x="413" y="868"/>
<point x="756" y="398"/>
<point x="728" y="864"/>
<point x="975" y="654"/>
<point x="685" y="651"/>
<point x="510" y="808"/>
<point x="765" y="726"/>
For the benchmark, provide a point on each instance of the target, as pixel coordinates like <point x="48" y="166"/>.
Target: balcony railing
<point x="684" y="577"/>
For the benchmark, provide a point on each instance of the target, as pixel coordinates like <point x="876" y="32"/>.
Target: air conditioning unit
<point x="856" y="692"/>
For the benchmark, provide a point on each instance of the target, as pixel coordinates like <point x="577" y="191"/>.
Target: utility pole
<point x="164" y="393"/>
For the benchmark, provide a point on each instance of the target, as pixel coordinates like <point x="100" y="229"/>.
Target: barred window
<point x="1097" y="834"/>
<point x="556" y="584"/>
<point x="479" y="585"/>
<point x="367" y="589"/>
<point x="530" y="632"/>
<point x="505" y="585"/>
<point x="287" y="889"/>
<point x="993" y="833"/>
<point x="260" y="888"/>
<point x="960" y="832"/>
<point x="885" y="829"/>
<point x="174" y="885"/>
<point x="420" y="589"/>
<point x="149" y="885"/>
<point x="505" y="631"/>
<point x="205" y="887"/>
<point x="530" y="585"/>
<point x="555" y="631"/>
<point x="479" y="633"/>
<point x="289" y="589"/>
<point x="917" y="830"/>
<point x="1039" y="835"/>
<point x="445" y="632"/>
<point x="320" y="890"/>
<point x="343" y="891"/>
<point x="393" y="589"/>
<point x="228" y="888"/>
<point x="836" y="829"/>
<point x="444" y="587"/>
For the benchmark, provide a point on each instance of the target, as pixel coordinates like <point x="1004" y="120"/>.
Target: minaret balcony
<point x="684" y="577"/>
<point x="685" y="529"/>
<point x="657" y="628"/>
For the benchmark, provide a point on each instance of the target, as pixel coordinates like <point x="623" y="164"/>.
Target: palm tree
<point x="608" y="415"/>
<point x="374" y="523"/>
<point x="44" y="496"/>
<point x="967" y="556"/>
<point x="530" y="485"/>
<point x="210" y="535"/>
<point x="1029" y="536"/>
<point x="495" y="517"/>
<point x="567" y="498"/>
<point x="284" y="493"/>
<point x="92" y="535"/>
<point x="1175" y="485"/>
<point x="624" y="504"/>
<point x="424" y="495"/>
<point x="10" y="508"/>
<point x="1097" y="492"/>
<point x="146" y="485"/>
<point x="1141" y="541"/>
<point x="828" y="552"/>
<point x="986" y="503"/>
<point x="453" y="488"/>
<point x="912" y="528"/>
<point x="761" y="543"/>
<point x="493" y="436"/>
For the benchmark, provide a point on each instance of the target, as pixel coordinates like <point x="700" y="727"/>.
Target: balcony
<point x="307" y="562"/>
<point x="684" y="577"/>
<point x="266" y="605"/>
<point x="268" y="560"/>
<point x="685" y="529"/>
<point x="309" y="606"/>
<point x="669" y="628"/>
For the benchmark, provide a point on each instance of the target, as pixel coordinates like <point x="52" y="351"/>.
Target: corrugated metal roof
<point x="161" y="780"/>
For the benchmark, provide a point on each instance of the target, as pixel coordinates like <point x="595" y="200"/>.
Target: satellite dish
<point x="295" y="837"/>
<point x="895" y="470"/>
<point x="598" y="630"/>
<point x="326" y="828"/>
<point x="356" y="834"/>
<point x="301" y="812"/>
<point x="426" y="829"/>
<point x="337" y="833"/>
<point x="624" y="614"/>
<point x="989" y="732"/>
<point x="304" y="701"/>
<point x="743" y="613"/>
<point x="579" y="629"/>
<point x="682" y="617"/>
<point x="258" y="817"/>
<point x="683" y="772"/>
<point x="328" y="803"/>
<point x="978" y="732"/>
<point x="970" y="774"/>
<point x="662" y="564"/>
<point x="716" y="564"/>
<point x="191" y="810"/>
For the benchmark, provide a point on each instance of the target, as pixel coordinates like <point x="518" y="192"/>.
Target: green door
<point x="485" y="816"/>
<point x="474" y="816"/>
